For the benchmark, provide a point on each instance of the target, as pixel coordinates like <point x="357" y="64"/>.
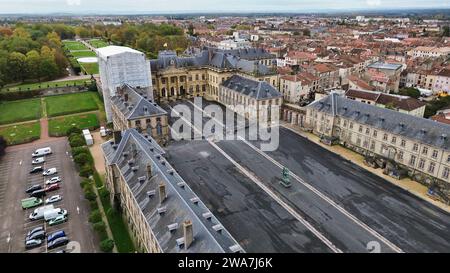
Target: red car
<point x="52" y="187"/>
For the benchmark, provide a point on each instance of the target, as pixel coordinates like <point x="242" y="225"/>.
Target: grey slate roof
<point x="426" y="131"/>
<point x="137" y="106"/>
<point x="259" y="90"/>
<point x="242" y="60"/>
<point x="179" y="204"/>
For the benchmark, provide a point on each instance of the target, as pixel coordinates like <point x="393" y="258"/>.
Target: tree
<point x="76" y="141"/>
<point x="82" y="159"/>
<point x="2" y="146"/>
<point x="446" y="31"/>
<point x="95" y="216"/>
<point x="73" y="130"/>
<point x="107" y="245"/>
<point x="86" y="170"/>
<point x="16" y="64"/>
<point x="33" y="62"/>
<point x="191" y="30"/>
<point x="410" y="92"/>
<point x="99" y="226"/>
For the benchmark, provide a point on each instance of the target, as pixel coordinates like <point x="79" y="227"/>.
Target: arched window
<point x="163" y="92"/>
<point x="172" y="91"/>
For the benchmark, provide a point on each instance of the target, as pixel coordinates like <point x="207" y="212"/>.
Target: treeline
<point x="149" y="38"/>
<point x="32" y="52"/>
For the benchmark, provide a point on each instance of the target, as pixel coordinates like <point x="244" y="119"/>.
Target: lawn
<point x="119" y="230"/>
<point x="21" y="133"/>
<point x="98" y="43"/>
<point x="90" y="68"/>
<point x="74" y="45"/>
<point x="71" y="103"/>
<point x="20" y="110"/>
<point x="86" y="53"/>
<point x="33" y="86"/>
<point x="59" y="126"/>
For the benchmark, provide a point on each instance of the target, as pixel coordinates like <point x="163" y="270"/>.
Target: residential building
<point x="398" y="103"/>
<point x="385" y="77"/>
<point x="429" y="52"/>
<point x="294" y="87"/>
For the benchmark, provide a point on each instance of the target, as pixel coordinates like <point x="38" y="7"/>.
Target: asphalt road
<point x="15" y="223"/>
<point x="350" y="206"/>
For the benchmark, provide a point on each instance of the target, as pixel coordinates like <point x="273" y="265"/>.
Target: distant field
<point x="98" y="43"/>
<point x="20" y="110"/>
<point x="74" y="45"/>
<point x="71" y="103"/>
<point x="33" y="86"/>
<point x="22" y="133"/>
<point x="86" y="53"/>
<point x="59" y="126"/>
<point x="90" y="68"/>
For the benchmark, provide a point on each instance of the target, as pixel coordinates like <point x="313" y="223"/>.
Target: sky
<point x="174" y="6"/>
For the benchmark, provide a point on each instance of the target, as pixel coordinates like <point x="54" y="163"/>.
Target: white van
<point x="42" y="152"/>
<point x="50" y="171"/>
<point x="39" y="212"/>
<point x="52" y="214"/>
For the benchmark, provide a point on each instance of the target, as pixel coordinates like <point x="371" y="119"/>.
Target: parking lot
<point x="16" y="178"/>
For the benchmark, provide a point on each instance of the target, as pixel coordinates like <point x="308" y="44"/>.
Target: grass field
<point x="22" y="133"/>
<point x="20" y="110"/>
<point x="74" y="45"/>
<point x="98" y="43"/>
<point x="119" y="230"/>
<point x="34" y="86"/>
<point x="85" y="53"/>
<point x="90" y="68"/>
<point x="59" y="126"/>
<point x="71" y="103"/>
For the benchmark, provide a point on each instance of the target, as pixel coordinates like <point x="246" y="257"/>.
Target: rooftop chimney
<point x="162" y="192"/>
<point x="149" y="170"/>
<point x="188" y="233"/>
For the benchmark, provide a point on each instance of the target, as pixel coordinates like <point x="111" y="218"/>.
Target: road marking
<point x="20" y="162"/>
<point x="269" y="192"/>
<point x="320" y="194"/>
<point x="8" y="239"/>
<point x="78" y="210"/>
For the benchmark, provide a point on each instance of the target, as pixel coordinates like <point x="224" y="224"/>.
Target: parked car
<point x="31" y="202"/>
<point x="53" y="199"/>
<point x="36" y="229"/>
<point x="55" y="235"/>
<point x="38" y="160"/>
<point x="38" y="193"/>
<point x="53" y="180"/>
<point x="58" y="220"/>
<point x="61" y="241"/>
<point x="33" y="188"/>
<point x="42" y="151"/>
<point x="50" y="171"/>
<point x="52" y="187"/>
<point x="33" y="243"/>
<point x="36" y="235"/>
<point x="37" y="169"/>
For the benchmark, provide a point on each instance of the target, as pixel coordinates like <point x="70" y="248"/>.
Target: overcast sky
<point x="155" y="6"/>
